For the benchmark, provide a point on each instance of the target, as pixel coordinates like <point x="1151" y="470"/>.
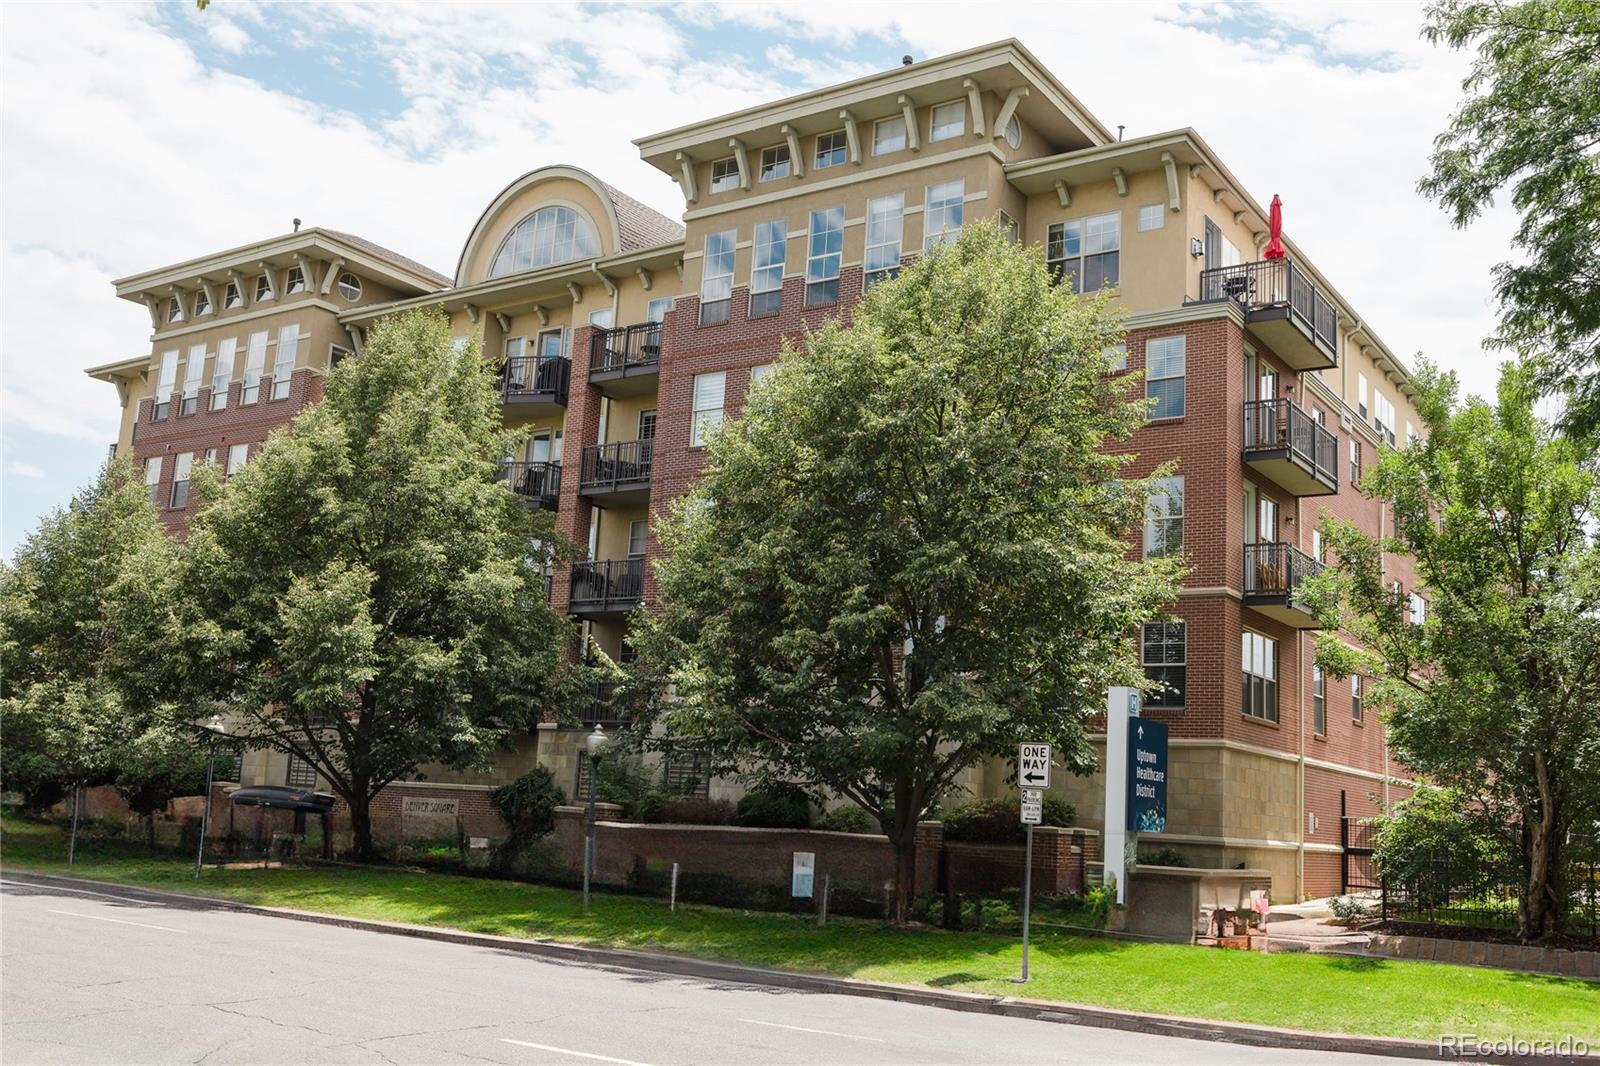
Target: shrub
<point x="848" y="819"/>
<point x="998" y="819"/>
<point x="694" y="810"/>
<point x="1166" y="855"/>
<point x="1347" y="909"/>
<point x="625" y="782"/>
<point x="528" y="804"/>
<point x="775" y="806"/>
<point x="1433" y="846"/>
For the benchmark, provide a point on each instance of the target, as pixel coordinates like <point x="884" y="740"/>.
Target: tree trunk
<point x="150" y="830"/>
<point x="361" y="824"/>
<point x="905" y="871"/>
<point x="1538" y="915"/>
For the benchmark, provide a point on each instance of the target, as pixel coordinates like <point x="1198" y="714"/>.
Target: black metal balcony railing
<point x="1276" y="569"/>
<point x="1276" y="283"/>
<point x="539" y="482"/>
<point x="625" y="348"/>
<point x="623" y="465"/>
<point x="606" y="585"/>
<point x="1283" y="425"/>
<point x="535" y="377"/>
<point x="602" y="709"/>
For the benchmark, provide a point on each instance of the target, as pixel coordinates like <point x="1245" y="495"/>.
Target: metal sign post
<point x="1122" y="706"/>
<point x="1033" y="775"/>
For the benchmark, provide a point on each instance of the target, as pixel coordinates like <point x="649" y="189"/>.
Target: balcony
<point x="1272" y="575"/>
<point x="539" y="484"/>
<point x="530" y="382"/>
<point x="616" y="474"/>
<point x="625" y="361"/>
<point x="1282" y="306"/>
<point x="602" y="709"/>
<point x="605" y="588"/>
<point x="1283" y="442"/>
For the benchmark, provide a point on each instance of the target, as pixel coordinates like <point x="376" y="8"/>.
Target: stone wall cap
<point x="1201" y="873"/>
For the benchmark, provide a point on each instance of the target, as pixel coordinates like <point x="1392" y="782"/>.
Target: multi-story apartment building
<point x="621" y="336"/>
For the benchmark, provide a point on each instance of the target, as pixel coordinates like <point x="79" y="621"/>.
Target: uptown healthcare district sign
<point x="1147" y="775"/>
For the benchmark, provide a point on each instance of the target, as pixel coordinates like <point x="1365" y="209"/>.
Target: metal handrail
<point x="1276" y="569"/>
<point x="1282" y="423"/>
<point x="606" y="584"/>
<point x="536" y="481"/>
<point x="625" y="464"/>
<point x="625" y="347"/>
<point x="1275" y="283"/>
<point x="525" y="375"/>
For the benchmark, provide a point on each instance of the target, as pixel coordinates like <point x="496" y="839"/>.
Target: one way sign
<point x="1033" y="765"/>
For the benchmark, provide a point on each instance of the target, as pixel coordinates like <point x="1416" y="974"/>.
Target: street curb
<point x="705" y="969"/>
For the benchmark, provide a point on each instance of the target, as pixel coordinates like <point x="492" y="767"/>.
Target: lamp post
<point x="596" y="744"/>
<point x="216" y="729"/>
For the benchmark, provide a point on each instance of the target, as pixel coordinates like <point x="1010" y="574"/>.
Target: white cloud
<point x="227" y="35"/>
<point x="17" y="468"/>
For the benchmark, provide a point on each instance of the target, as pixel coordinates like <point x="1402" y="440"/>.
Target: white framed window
<point x="832" y="149"/>
<point x="238" y="455"/>
<point x="232" y="298"/>
<point x="947" y="120"/>
<point x="255" y="361"/>
<point x="166" y="381"/>
<point x="656" y="310"/>
<point x="1355" y="462"/>
<point x="605" y="318"/>
<point x="888" y="135"/>
<point x="638" y="538"/>
<point x="283" y="361"/>
<point x="1361" y="395"/>
<point x="515" y="348"/>
<point x="1418" y="609"/>
<point x="550" y="235"/>
<point x="775" y="162"/>
<point x="180" y="480"/>
<point x="349" y="286"/>
<point x="1086" y="250"/>
<point x="941" y="215"/>
<point x="1164" y="368"/>
<point x="766" y="267"/>
<point x="716" y="277"/>
<point x="551" y="343"/>
<point x="1117" y="355"/>
<point x="759" y="372"/>
<point x="174" y="310"/>
<point x="1164" y="654"/>
<point x="1014" y="133"/>
<point x="1319" y="702"/>
<point x="294" y="282"/>
<point x="264" y="288"/>
<point x="202" y="303"/>
<point x="709" y="395"/>
<point x="1152" y="216"/>
<point x="222" y="372"/>
<point x="1383" y="417"/>
<point x="824" y="253"/>
<point x="1319" y="550"/>
<point x="724" y="174"/>
<point x="1260" y="693"/>
<point x="886" y="217"/>
<point x="1008" y="226"/>
<point x="1163" y="518"/>
<point x="152" y="477"/>
<point x="300" y="773"/>
<point x="193" y="368"/>
<point x="1411" y="433"/>
<point x="1358" y="710"/>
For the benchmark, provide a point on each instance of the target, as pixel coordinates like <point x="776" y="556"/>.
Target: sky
<point x="136" y="135"/>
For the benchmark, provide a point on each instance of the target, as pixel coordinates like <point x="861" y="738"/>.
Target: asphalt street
<point x="91" y="977"/>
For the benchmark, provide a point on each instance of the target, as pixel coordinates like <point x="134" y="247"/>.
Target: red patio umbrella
<point x="1274" y="248"/>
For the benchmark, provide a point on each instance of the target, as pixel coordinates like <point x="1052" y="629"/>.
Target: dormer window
<point x="725" y="174"/>
<point x="174" y="310"/>
<point x="948" y="120"/>
<point x="232" y="298"/>
<point x="202" y="303"/>
<point x="295" y="282"/>
<point x="349" y="286"/>
<point x="550" y="235"/>
<point x="775" y="162"/>
<point x="264" y="287"/>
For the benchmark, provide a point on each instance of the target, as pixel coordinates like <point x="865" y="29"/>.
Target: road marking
<point x="820" y="1032"/>
<point x="81" y="892"/>
<point x="119" y="921"/>
<point x="569" y="1051"/>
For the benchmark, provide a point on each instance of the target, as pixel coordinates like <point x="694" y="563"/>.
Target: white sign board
<point x="1033" y="766"/>
<point x="805" y="874"/>
<point x="1032" y="807"/>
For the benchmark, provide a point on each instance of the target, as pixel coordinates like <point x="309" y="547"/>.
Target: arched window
<point x="548" y="236"/>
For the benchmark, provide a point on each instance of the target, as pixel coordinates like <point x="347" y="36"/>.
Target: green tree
<point x="83" y="611"/>
<point x="1493" y="694"/>
<point x="910" y="555"/>
<point x="1531" y="124"/>
<point x="156" y="766"/>
<point x="364" y="594"/>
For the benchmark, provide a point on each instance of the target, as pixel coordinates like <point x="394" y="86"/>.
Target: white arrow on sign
<point x="1141" y="731"/>
<point x="1033" y="765"/>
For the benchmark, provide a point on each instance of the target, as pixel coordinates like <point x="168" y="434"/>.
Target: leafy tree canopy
<point x="910" y="554"/>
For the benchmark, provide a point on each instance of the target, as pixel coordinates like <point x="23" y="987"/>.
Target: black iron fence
<point x="1275" y="283"/>
<point x="539" y="482"/>
<point x="606" y="584"/>
<point x="625" y="464"/>
<point x="1272" y="425"/>
<point x="1453" y="892"/>
<point x="1276" y="569"/>
<point x="625" y="348"/>
<point x="526" y="377"/>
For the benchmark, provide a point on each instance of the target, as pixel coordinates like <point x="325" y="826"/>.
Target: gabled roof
<point x="641" y="226"/>
<point x="402" y="261"/>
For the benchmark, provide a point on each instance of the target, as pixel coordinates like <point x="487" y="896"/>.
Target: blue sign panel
<point x="1147" y="775"/>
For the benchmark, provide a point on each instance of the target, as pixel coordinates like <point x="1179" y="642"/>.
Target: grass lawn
<point x="1372" y="996"/>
